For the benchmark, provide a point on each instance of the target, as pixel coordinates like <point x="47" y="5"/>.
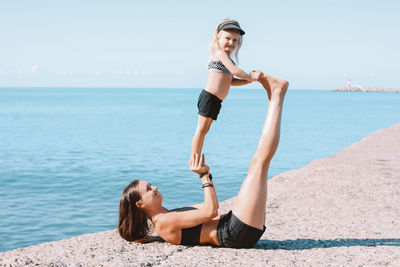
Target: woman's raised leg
<point x="249" y="205"/>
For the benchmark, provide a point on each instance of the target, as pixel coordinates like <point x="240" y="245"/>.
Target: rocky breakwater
<point x="367" y="89"/>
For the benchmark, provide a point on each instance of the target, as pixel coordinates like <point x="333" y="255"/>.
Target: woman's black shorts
<point x="233" y="233"/>
<point x="209" y="105"/>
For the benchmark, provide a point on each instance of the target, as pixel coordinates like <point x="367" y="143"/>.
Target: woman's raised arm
<point x="205" y="212"/>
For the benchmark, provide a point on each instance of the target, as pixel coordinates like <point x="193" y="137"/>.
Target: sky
<point x="312" y="44"/>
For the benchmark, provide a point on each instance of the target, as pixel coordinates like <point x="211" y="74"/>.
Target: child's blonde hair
<point x="214" y="41"/>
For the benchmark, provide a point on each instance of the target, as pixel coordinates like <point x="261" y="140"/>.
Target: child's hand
<point x="197" y="164"/>
<point x="256" y="75"/>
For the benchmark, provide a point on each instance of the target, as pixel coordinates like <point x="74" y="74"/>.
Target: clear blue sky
<point x="313" y="44"/>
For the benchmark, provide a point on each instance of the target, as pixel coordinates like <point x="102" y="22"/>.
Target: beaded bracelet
<point x="207" y="185"/>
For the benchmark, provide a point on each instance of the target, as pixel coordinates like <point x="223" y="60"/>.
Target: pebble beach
<point x="337" y="211"/>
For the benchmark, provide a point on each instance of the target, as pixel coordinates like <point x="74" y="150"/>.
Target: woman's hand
<point x="197" y="164"/>
<point x="256" y="75"/>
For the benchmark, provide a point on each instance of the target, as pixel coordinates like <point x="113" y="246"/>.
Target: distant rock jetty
<point x="367" y="89"/>
<point x="358" y="88"/>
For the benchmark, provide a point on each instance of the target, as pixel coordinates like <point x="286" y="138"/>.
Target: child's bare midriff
<point x="218" y="84"/>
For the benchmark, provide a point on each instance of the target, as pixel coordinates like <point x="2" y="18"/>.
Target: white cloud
<point x="97" y="73"/>
<point x="137" y="72"/>
<point x="34" y="69"/>
<point x="2" y="72"/>
<point x="63" y="73"/>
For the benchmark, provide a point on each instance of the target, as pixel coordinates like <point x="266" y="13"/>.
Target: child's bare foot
<point x="274" y="86"/>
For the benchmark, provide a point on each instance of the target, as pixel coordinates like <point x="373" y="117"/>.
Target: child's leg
<point x="249" y="205"/>
<point x="203" y="125"/>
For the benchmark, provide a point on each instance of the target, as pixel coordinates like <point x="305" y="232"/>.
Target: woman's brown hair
<point x="133" y="224"/>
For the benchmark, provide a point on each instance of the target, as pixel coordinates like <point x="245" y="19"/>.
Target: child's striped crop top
<point x="217" y="66"/>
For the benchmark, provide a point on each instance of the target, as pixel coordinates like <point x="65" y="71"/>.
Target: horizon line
<point x="108" y="87"/>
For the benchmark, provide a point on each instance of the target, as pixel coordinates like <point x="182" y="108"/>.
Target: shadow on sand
<point x="301" y="244"/>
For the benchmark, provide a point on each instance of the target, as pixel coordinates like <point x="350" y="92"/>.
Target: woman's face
<point x="149" y="194"/>
<point x="228" y="40"/>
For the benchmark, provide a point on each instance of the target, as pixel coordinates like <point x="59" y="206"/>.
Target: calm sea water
<point x="67" y="153"/>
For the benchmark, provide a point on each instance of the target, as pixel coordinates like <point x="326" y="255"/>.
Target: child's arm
<point x="225" y="59"/>
<point x="239" y="82"/>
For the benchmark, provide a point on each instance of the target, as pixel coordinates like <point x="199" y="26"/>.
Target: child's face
<point x="228" y="40"/>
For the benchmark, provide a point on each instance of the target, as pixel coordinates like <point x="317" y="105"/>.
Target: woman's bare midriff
<point x="209" y="232"/>
<point x="218" y="84"/>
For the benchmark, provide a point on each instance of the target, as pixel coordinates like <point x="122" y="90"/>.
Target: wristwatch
<point x="204" y="173"/>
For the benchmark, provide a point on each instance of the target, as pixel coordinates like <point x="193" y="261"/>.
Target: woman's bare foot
<point x="266" y="84"/>
<point x="274" y="86"/>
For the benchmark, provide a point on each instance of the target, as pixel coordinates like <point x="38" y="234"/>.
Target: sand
<point x="338" y="211"/>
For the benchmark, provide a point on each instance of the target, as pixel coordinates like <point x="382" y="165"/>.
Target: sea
<point x="67" y="153"/>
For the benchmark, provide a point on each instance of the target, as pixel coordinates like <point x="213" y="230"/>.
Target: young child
<point x="227" y="39"/>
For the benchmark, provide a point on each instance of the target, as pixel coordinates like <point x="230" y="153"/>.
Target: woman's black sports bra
<point x="190" y="236"/>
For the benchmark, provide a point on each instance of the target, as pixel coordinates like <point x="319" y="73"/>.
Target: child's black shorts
<point x="209" y="105"/>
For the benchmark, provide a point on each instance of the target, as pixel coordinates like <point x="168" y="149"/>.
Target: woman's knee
<point x="260" y="162"/>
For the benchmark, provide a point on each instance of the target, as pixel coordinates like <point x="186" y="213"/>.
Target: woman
<point x="201" y="224"/>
